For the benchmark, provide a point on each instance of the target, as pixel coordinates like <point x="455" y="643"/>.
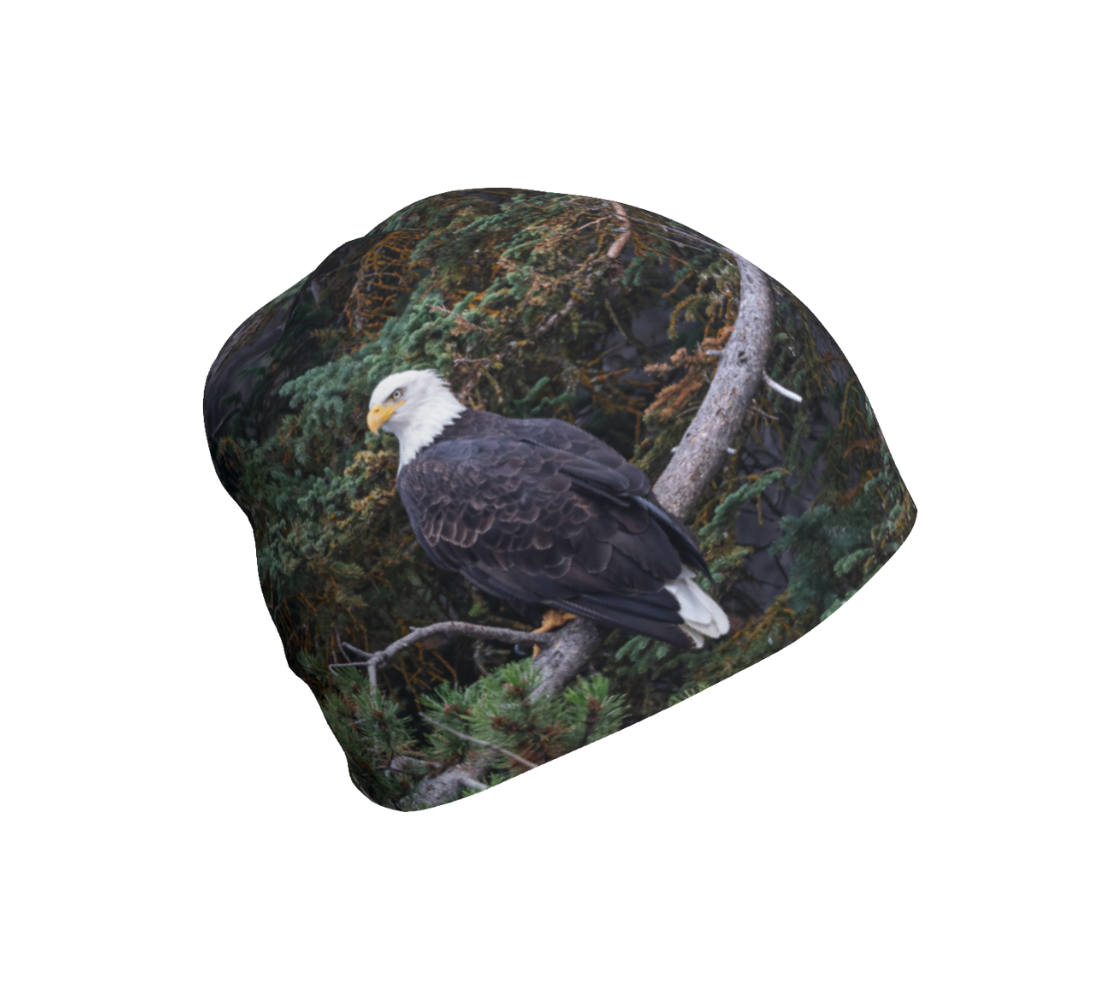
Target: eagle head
<point x="413" y="405"/>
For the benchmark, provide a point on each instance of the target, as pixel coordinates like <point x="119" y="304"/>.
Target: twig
<point x="768" y="381"/>
<point x="374" y="660"/>
<point x="346" y="663"/>
<point x="781" y="390"/>
<point x="458" y="316"/>
<point x="555" y="318"/>
<point x="626" y="335"/>
<point x="705" y="243"/>
<point x="482" y="743"/>
<point x="617" y="245"/>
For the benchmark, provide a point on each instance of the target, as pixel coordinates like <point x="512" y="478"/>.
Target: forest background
<point x="534" y="305"/>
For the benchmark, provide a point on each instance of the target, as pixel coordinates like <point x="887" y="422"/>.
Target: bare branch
<point x="446" y="786"/>
<point x="555" y="318"/>
<point x="617" y="245"/>
<point x="704" y="445"/>
<point x="372" y="661"/>
<point x="781" y="390"/>
<point x="558" y="665"/>
<point x="440" y="308"/>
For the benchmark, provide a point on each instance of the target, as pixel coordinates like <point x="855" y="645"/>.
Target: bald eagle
<point x="543" y="515"/>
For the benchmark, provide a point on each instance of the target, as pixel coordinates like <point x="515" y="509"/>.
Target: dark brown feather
<point x="543" y="514"/>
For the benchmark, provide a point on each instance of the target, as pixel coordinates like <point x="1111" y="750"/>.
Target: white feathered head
<point x="415" y="406"/>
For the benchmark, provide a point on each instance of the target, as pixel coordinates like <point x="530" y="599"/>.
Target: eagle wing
<point x="549" y="515"/>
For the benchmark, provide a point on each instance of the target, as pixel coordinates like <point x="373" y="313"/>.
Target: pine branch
<point x="483" y="743"/>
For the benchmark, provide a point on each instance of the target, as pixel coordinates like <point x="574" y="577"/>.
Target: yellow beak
<point x="379" y="414"/>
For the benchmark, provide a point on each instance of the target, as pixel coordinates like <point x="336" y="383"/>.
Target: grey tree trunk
<point x="704" y="445"/>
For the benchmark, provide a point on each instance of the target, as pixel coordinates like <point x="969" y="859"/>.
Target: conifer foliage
<point x="531" y="305"/>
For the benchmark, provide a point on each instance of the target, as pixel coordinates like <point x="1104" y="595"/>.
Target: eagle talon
<point x="552" y="620"/>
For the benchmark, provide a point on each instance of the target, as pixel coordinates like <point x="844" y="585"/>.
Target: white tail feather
<point x="702" y="616"/>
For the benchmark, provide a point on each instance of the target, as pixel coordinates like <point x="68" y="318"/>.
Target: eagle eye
<point x="396" y="395"/>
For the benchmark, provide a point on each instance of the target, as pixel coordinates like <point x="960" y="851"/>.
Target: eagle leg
<point x="552" y="620"/>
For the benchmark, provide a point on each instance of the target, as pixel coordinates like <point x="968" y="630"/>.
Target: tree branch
<point x="571" y="649"/>
<point x="781" y="390"/>
<point x="612" y="253"/>
<point x="446" y="786"/>
<point x="617" y="245"/>
<point x="482" y="743"/>
<point x="373" y="661"/>
<point x="705" y="443"/>
<point x="558" y="665"/>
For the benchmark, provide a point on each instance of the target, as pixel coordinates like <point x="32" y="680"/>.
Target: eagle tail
<point x="681" y="614"/>
<point x="654" y="615"/>
<point x="701" y="616"/>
